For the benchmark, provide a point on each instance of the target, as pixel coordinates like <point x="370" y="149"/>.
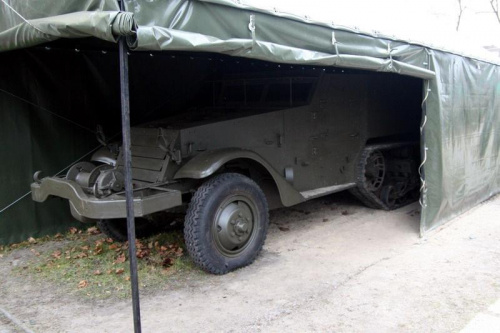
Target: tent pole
<point x="127" y="161"/>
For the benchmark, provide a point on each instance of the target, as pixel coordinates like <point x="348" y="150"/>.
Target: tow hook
<point x="36" y="177"/>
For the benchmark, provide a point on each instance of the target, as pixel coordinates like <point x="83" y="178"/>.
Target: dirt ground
<point x="329" y="265"/>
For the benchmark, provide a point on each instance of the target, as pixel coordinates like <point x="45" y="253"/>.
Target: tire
<point x="117" y="228"/>
<point x="226" y="223"/>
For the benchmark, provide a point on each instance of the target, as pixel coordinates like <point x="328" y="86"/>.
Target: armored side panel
<point x="259" y="133"/>
<point x="324" y="138"/>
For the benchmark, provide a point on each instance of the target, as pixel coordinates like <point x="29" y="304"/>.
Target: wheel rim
<point x="235" y="225"/>
<point x="375" y="171"/>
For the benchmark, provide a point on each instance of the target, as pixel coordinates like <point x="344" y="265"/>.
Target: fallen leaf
<point x="83" y="284"/>
<point x="36" y="253"/>
<point x="113" y="246"/>
<point x="56" y="254"/>
<point x="81" y="255"/>
<point x="31" y="240"/>
<point x="109" y="271"/>
<point x="109" y="240"/>
<point x="142" y="253"/>
<point x="98" y="249"/>
<point x="120" y="259"/>
<point x="58" y="236"/>
<point x="119" y="271"/>
<point x="93" y="231"/>
<point x="127" y="278"/>
<point x="73" y="230"/>
<point x="97" y="272"/>
<point x="84" y="248"/>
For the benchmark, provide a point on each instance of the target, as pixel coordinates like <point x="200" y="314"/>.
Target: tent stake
<point x="127" y="161"/>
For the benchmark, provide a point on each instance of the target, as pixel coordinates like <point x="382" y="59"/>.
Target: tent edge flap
<point x="164" y="39"/>
<point x="105" y="25"/>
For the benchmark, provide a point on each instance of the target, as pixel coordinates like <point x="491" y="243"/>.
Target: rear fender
<point x="207" y="163"/>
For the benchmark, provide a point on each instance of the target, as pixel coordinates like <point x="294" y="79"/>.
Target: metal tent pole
<point x="127" y="160"/>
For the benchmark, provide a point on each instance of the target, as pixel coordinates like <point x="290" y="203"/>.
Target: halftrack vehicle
<point x="253" y="143"/>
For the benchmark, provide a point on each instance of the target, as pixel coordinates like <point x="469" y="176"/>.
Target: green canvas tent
<point x="51" y="98"/>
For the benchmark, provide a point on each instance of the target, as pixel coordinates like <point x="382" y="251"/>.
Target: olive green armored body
<point x="255" y="142"/>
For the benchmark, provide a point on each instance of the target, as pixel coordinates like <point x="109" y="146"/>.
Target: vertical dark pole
<point x="127" y="160"/>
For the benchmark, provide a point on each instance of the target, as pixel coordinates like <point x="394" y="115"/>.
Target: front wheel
<point x="226" y="223"/>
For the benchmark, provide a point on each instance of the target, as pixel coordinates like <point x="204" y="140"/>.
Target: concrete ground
<point x="329" y="265"/>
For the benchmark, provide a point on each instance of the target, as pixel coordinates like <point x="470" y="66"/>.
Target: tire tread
<point x="192" y="225"/>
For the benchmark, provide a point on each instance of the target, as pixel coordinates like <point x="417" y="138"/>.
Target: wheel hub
<point x="241" y="227"/>
<point x="234" y="226"/>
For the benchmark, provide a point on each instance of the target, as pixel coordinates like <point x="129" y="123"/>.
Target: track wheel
<point x="389" y="196"/>
<point x="374" y="171"/>
<point x="226" y="223"/>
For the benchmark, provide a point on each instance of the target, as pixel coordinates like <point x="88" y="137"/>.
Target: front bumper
<point x="84" y="207"/>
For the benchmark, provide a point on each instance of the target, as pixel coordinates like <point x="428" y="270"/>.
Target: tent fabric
<point x="51" y="101"/>
<point x="104" y="25"/>
<point x="23" y="27"/>
<point x="47" y="122"/>
<point x="461" y="100"/>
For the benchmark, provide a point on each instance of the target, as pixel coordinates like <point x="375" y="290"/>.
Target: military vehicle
<point x="255" y="142"/>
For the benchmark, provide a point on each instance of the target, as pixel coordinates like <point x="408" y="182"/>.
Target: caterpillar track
<point x="387" y="175"/>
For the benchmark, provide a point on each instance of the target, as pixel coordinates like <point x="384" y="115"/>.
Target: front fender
<point x="207" y="163"/>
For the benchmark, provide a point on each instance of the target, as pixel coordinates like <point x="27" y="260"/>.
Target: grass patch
<point x="90" y="264"/>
